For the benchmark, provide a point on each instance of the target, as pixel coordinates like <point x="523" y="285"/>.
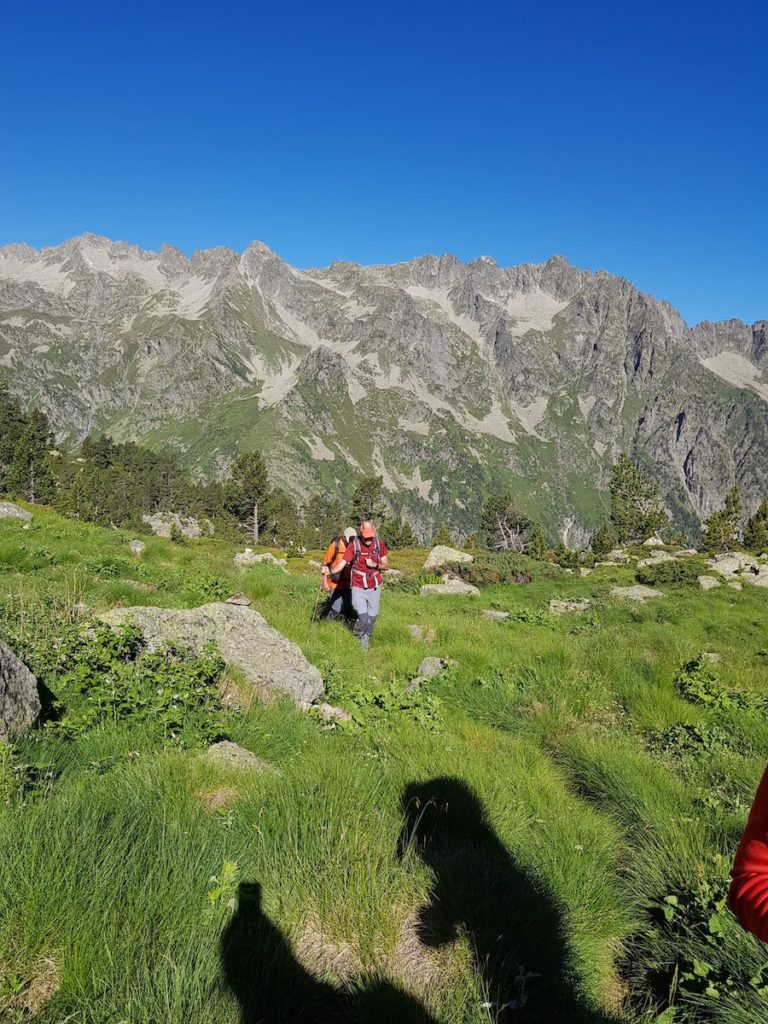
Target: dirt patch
<point x="323" y="956"/>
<point x="44" y="984"/>
<point x="218" y="799"/>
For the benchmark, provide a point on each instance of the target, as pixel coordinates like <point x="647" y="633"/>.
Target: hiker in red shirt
<point x="748" y="898"/>
<point x="367" y="556"/>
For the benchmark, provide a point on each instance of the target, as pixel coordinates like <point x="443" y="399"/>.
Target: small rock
<point x="331" y="715"/>
<point x="618" y="555"/>
<point x="708" y="583"/>
<point x="443" y="555"/>
<point x="731" y="563"/>
<point x="687" y="552"/>
<point x="638" y="592"/>
<point x="249" y="557"/>
<point x="496" y="616"/>
<point x="19" y="699"/>
<point x="598" y="564"/>
<point x="583" y="571"/>
<point x="713" y="658"/>
<point x="656" y="559"/>
<point x="426" y="633"/>
<point x="653" y="542"/>
<point x="572" y="605"/>
<point x="432" y="666"/>
<point x="10" y="511"/>
<point x="137" y="547"/>
<point x="448" y="588"/>
<point x="241" y="599"/>
<point x="314" y="564"/>
<point x="233" y="756"/>
<point x="735" y="585"/>
<point x="392" y="573"/>
<point x="416" y="683"/>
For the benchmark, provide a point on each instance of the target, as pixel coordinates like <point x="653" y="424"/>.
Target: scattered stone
<point x="10" y="511"/>
<point x="618" y="555"/>
<point x="314" y="564"/>
<point x="432" y="667"/>
<point x="448" y="588"/>
<point x="598" y="564"/>
<point x="497" y="616"/>
<point x="426" y="633"/>
<point x="161" y="523"/>
<point x="331" y="715"/>
<point x="416" y="683"/>
<point x="712" y="658"/>
<point x="656" y="559"/>
<point x="735" y="585"/>
<point x="19" y="699"/>
<point x="240" y="599"/>
<point x="392" y="573"/>
<point x="733" y="563"/>
<point x="687" y="552"/>
<point x="249" y="557"/>
<point x="653" y="542"/>
<point x="443" y="555"/>
<point x="638" y="592"/>
<point x="584" y="571"/>
<point x="233" y="756"/>
<point x="137" y="547"/>
<point x="708" y="583"/>
<point x="267" y="659"/>
<point x="570" y="605"/>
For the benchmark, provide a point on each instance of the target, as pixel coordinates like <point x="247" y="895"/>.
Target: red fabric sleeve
<point x="748" y="897"/>
<point x="383" y="549"/>
<point x="349" y="553"/>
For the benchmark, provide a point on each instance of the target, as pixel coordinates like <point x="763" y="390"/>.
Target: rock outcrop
<point x="162" y="523"/>
<point x="19" y="698"/>
<point x="443" y="555"/>
<point x="10" y="511"/>
<point x="449" y="587"/>
<point x="267" y="659"/>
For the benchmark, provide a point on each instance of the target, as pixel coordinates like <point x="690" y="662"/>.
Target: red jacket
<point x="748" y="898"/>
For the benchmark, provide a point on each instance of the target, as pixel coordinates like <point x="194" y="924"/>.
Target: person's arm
<point x="384" y="556"/>
<point x="748" y="896"/>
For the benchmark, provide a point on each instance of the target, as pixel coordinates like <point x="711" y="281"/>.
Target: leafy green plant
<point x="699" y="682"/>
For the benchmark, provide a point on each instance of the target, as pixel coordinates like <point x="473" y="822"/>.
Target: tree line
<point x="113" y="483"/>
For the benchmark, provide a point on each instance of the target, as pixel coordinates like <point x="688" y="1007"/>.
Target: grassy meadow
<point x="542" y="833"/>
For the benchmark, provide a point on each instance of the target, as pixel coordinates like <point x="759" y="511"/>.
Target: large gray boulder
<point x="267" y="659"/>
<point x="10" y="511"/>
<point x="443" y="555"/>
<point x="19" y="700"/>
<point x="448" y="588"/>
<point x="161" y="524"/>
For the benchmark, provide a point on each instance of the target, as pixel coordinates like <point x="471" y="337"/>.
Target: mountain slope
<point x="449" y="379"/>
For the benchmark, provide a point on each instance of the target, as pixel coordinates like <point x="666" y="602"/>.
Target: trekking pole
<point x="314" y="610"/>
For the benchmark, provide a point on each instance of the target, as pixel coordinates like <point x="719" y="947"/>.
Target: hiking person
<point x="336" y="582"/>
<point x="366" y="555"/>
<point x="748" y="896"/>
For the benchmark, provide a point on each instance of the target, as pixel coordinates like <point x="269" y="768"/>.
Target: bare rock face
<point x="19" y="699"/>
<point x="267" y="659"/>
<point x="443" y="555"/>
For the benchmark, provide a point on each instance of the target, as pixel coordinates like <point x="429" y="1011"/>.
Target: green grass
<point x="562" y="811"/>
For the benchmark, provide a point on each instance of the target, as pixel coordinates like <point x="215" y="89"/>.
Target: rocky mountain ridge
<point x="449" y="379"/>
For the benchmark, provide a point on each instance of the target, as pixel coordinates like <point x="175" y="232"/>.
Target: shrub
<point x="681" y="573"/>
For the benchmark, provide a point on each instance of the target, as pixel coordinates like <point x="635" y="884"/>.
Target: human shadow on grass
<point x="272" y="987"/>
<point x="513" y="927"/>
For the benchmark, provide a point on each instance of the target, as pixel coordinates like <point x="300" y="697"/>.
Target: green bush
<point x="672" y="573"/>
<point x="488" y="569"/>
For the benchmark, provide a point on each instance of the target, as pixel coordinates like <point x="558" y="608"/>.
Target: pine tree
<point x="721" y="530"/>
<point x="443" y="537"/>
<point x="535" y="541"/>
<point x="245" y="491"/>
<point x="368" y="501"/>
<point x="30" y="475"/>
<point x="636" y="511"/>
<point x="603" y="540"/>
<point x="504" y="523"/>
<point x="756" y="530"/>
<point x="398" y="534"/>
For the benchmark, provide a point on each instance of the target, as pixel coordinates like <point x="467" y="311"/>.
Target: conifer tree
<point x="756" y="530"/>
<point x="636" y="511"/>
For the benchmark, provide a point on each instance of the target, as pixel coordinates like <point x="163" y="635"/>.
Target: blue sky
<point x="632" y="138"/>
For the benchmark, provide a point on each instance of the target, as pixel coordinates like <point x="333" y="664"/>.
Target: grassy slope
<point x="105" y="880"/>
